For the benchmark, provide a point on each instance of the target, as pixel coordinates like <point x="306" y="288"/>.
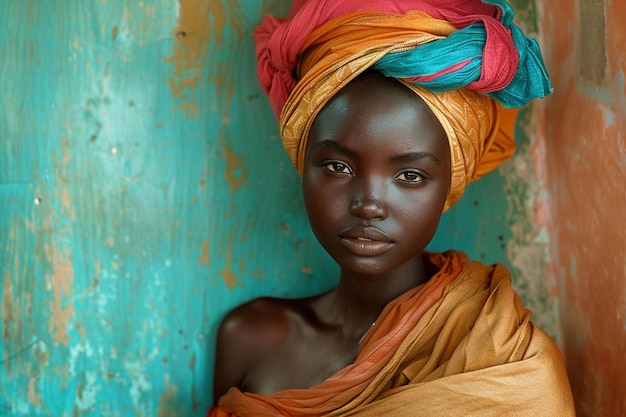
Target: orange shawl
<point x="460" y="344"/>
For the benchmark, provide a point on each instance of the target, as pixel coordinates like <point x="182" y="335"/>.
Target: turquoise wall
<point x="143" y="193"/>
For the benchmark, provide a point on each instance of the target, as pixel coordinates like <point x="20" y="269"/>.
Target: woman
<point x="388" y="113"/>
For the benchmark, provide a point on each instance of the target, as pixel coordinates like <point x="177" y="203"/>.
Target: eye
<point x="337" y="167"/>
<point x="413" y="177"/>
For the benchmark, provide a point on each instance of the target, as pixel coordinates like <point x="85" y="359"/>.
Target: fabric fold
<point x="461" y="344"/>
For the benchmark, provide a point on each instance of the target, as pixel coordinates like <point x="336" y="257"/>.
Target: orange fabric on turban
<point x="480" y="131"/>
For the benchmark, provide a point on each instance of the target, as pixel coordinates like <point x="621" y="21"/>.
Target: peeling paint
<point x="167" y="404"/>
<point x="528" y="247"/>
<point x="33" y="396"/>
<point x="192" y="37"/>
<point x="204" y="254"/>
<point x="86" y="392"/>
<point x="61" y="307"/>
<point x="227" y="274"/>
<point x="7" y="318"/>
<point x="236" y="172"/>
<point x="140" y="386"/>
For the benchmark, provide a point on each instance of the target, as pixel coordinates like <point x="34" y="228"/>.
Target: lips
<point x="365" y="241"/>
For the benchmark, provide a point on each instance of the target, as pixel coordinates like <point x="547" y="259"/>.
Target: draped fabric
<point x="466" y="59"/>
<point x="507" y="59"/>
<point x="480" y="134"/>
<point x="460" y="344"/>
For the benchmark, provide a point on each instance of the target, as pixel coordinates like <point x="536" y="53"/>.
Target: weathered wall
<point x="144" y="192"/>
<point x="584" y="154"/>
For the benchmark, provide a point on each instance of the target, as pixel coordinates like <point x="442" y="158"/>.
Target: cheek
<point x="325" y="205"/>
<point x="309" y="193"/>
<point x="313" y="200"/>
<point x="319" y="201"/>
<point x="420" y="214"/>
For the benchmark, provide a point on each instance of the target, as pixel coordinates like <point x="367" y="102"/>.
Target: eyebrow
<point x="403" y="158"/>
<point x="333" y="145"/>
<point x="416" y="156"/>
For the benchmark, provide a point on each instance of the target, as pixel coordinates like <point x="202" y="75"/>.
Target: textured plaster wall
<point x="583" y="150"/>
<point x="142" y="194"/>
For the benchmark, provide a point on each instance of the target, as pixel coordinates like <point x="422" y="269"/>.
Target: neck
<point x="359" y="299"/>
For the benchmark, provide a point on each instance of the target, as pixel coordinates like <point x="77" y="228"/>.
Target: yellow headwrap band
<point x="479" y="130"/>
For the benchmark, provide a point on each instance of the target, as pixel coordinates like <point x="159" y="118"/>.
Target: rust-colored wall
<point x="584" y="154"/>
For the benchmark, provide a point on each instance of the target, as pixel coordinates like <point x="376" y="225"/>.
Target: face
<point x="376" y="175"/>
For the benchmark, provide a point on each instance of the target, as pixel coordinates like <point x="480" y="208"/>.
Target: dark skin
<point x="376" y="176"/>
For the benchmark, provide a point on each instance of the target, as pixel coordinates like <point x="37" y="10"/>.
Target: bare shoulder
<point x="247" y="334"/>
<point x="256" y="325"/>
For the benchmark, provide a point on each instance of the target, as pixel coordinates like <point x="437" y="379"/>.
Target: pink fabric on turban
<point x="279" y="41"/>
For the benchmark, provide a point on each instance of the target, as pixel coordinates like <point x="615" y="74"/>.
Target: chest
<point x="306" y="358"/>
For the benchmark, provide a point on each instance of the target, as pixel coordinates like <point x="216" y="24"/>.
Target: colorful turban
<point x="465" y="58"/>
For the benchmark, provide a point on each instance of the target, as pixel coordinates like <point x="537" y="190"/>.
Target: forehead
<point x="380" y="112"/>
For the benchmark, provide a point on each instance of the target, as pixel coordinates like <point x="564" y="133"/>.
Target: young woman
<point x="405" y="332"/>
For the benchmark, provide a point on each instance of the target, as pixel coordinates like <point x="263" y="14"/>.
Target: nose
<point x="369" y="203"/>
